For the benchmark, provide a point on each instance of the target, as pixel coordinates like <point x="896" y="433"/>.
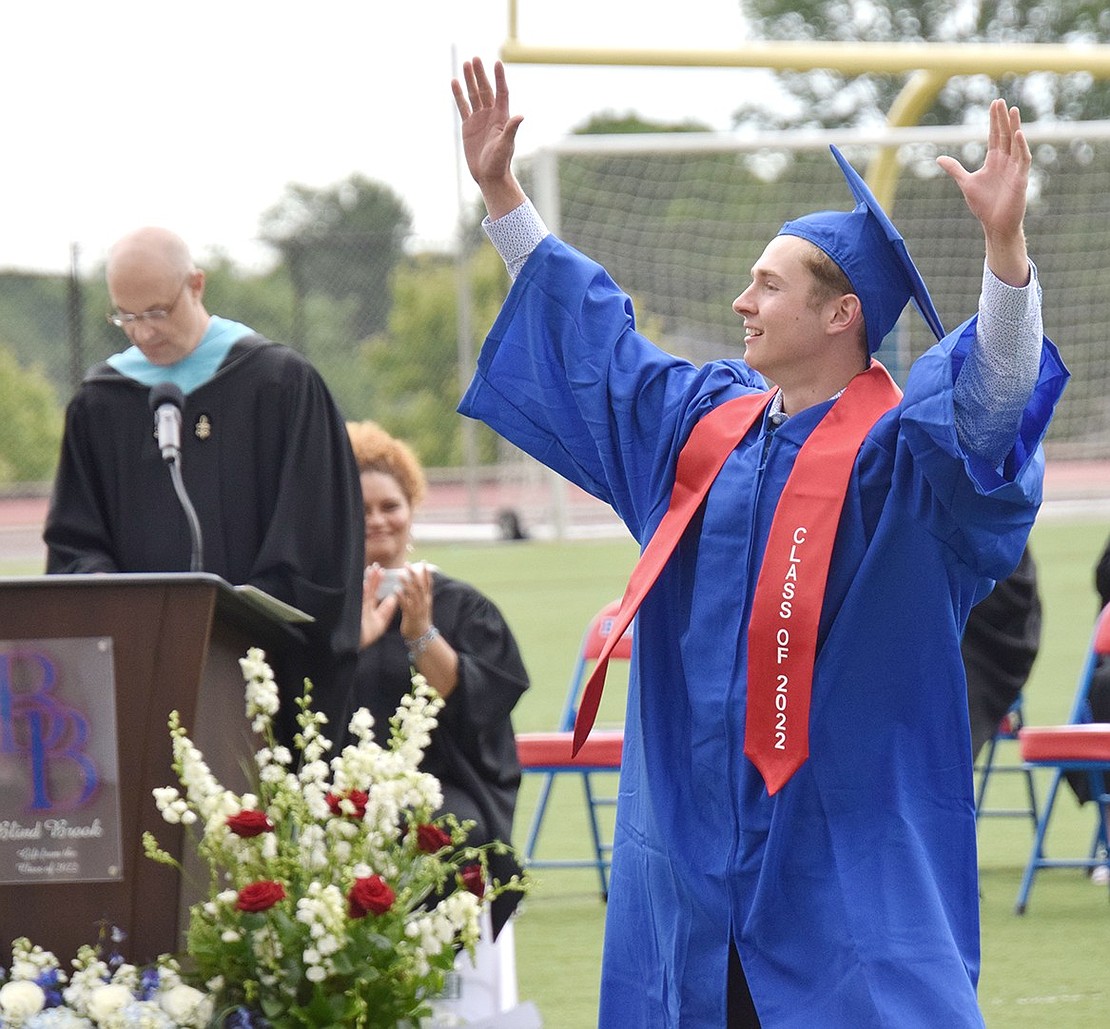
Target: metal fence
<point x="676" y="219"/>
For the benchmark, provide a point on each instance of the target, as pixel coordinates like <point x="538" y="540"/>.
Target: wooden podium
<point x="176" y="640"/>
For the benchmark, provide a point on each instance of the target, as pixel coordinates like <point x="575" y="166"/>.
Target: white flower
<point x="30" y="962"/>
<point x="127" y="975"/>
<point x="144" y="1014"/>
<point x="254" y="664"/>
<point x="170" y="803"/>
<point x="314" y="746"/>
<point x="202" y="790"/>
<point x="57" y="1018"/>
<point x="262" y="691"/>
<point x="362" y="723"/>
<point x="341" y="851"/>
<point x="164" y="796"/>
<point x="271" y="775"/>
<point x="105" y="1000"/>
<point x="316" y="800"/>
<point x="328" y="945"/>
<point x="314" y="771"/>
<point x="186" y="1005"/>
<point x="90" y="974"/>
<point x="313" y="848"/>
<point x="456" y="915"/>
<point x="21" y="999"/>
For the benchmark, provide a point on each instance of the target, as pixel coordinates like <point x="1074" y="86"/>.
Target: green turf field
<point x="1046" y="968"/>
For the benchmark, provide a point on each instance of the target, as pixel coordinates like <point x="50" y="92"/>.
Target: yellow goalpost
<point x="930" y="66"/>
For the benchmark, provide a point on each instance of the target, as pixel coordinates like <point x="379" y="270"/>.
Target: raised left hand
<point x="996" y="193"/>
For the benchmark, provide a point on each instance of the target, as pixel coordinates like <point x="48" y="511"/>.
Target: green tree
<point x="342" y="243"/>
<point x="318" y="326"/>
<point x="609" y="123"/>
<point x="33" y="312"/>
<point x="408" y="375"/>
<point x="827" y="98"/>
<point x="262" y="299"/>
<point x="30" y="421"/>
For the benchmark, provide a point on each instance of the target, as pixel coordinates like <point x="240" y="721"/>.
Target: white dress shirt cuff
<point x="515" y="235"/>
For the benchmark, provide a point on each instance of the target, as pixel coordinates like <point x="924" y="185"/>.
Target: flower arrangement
<point x="102" y="990"/>
<point x="335" y="897"/>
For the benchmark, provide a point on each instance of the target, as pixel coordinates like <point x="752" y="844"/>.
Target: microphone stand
<point x="196" y="561"/>
<point x="167" y="401"/>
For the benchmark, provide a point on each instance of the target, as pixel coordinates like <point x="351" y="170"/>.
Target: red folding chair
<point x="549" y="753"/>
<point x="1079" y="746"/>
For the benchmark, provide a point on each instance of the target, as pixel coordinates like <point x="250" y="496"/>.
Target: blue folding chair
<point x="1006" y="735"/>
<point x="549" y="753"/>
<point x="1079" y="746"/>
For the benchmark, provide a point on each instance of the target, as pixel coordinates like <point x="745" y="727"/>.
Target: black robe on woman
<point x="999" y="646"/>
<point x="473" y="749"/>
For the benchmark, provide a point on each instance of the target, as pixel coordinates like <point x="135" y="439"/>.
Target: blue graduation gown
<point x="852" y="893"/>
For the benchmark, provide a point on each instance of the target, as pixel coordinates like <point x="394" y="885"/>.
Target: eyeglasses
<point x="121" y="319"/>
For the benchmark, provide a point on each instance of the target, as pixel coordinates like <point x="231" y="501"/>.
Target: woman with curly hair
<point x="415" y="617"/>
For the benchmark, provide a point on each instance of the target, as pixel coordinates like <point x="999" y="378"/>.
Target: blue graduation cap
<point x="868" y="248"/>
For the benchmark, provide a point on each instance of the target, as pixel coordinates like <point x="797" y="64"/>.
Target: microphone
<point x="166" y="401"/>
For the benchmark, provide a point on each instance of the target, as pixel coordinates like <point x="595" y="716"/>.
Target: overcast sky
<point x="196" y="115"/>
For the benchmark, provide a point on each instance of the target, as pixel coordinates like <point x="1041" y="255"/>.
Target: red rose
<point x="431" y="838"/>
<point x="260" y="896"/>
<point x="472" y="880"/>
<point x="357" y="798"/>
<point x="369" y="894"/>
<point x="249" y="823"/>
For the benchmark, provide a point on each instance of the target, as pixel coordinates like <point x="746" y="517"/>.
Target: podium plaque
<point x="169" y="642"/>
<point x="59" y="766"/>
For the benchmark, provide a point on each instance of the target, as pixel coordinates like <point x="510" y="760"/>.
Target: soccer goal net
<point x="679" y="218"/>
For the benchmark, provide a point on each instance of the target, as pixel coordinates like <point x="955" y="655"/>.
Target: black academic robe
<point x="473" y="748"/>
<point x="999" y="645"/>
<point x="267" y="463"/>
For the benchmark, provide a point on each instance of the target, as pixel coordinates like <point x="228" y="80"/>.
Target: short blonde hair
<point x="376" y="450"/>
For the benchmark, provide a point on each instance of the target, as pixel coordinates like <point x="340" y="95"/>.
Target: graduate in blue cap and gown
<point x="795" y="842"/>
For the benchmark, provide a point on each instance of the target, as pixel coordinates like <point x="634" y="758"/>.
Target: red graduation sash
<point x="782" y="631"/>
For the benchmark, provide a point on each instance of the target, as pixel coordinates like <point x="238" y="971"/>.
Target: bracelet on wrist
<point x="417" y="646"/>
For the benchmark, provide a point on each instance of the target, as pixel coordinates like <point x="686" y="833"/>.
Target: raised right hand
<point x="489" y="135"/>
